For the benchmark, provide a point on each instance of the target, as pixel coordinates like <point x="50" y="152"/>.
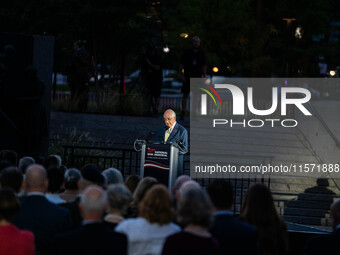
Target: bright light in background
<point x="298" y="32"/>
<point x="215" y="69"/>
<point x="207" y="81"/>
<point x="184" y="35"/>
<point x="332" y="73"/>
<point x="166" y="49"/>
<point x="228" y="68"/>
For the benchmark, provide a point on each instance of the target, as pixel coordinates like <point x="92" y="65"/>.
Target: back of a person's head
<point x="93" y="199"/>
<point x="36" y="178"/>
<point x="4" y="164"/>
<point x="91" y="175"/>
<point x="190" y="184"/>
<point x="195" y="208"/>
<point x="11" y="177"/>
<point x="258" y="207"/>
<point x="131" y="182"/>
<point x="10" y="156"/>
<point x="52" y="161"/>
<point x="180" y="181"/>
<point x="156" y="206"/>
<point x="221" y="194"/>
<point x="71" y="178"/>
<point x="113" y="176"/>
<point x="143" y="186"/>
<point x="9" y="204"/>
<point x="55" y="176"/>
<point x="24" y="163"/>
<point x="119" y="197"/>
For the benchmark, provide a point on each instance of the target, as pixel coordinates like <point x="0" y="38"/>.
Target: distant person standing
<point x="78" y="76"/>
<point x="193" y="64"/>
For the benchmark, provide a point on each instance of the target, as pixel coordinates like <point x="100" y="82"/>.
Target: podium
<point x="160" y="161"/>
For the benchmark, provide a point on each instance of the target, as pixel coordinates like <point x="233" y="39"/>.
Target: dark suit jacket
<point x="179" y="133"/>
<point x="43" y="218"/>
<point x="234" y="236"/>
<point x="90" y="239"/>
<point x="323" y="244"/>
<point x="73" y="207"/>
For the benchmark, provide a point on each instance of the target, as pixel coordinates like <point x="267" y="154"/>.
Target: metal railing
<point x="127" y="160"/>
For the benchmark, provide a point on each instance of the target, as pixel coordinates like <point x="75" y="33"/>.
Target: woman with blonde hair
<point x="147" y="233"/>
<point x="259" y="210"/>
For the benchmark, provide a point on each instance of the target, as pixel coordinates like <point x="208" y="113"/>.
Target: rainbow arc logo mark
<point x="209" y="93"/>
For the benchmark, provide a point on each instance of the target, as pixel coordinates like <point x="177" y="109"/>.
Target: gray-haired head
<point x="112" y="176"/>
<point x="171" y="112"/>
<point x="71" y="178"/>
<point x="119" y="197"/>
<point x="178" y="184"/>
<point x="195" y="208"/>
<point x="188" y="185"/>
<point x="93" y="199"/>
<point x="180" y="181"/>
<point x="25" y="162"/>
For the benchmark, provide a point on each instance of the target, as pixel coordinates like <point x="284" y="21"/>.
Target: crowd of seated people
<point x="47" y="208"/>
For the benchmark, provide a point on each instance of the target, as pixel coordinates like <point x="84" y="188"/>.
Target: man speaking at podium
<point x="174" y="133"/>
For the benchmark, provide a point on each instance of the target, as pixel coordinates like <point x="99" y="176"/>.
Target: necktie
<point x="167" y="134"/>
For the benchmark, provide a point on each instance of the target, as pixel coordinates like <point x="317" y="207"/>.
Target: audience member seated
<point x="131" y="182"/>
<point x="4" y="164"/>
<point x="13" y="241"/>
<point x="112" y="176"/>
<point x="178" y="183"/>
<point x="55" y="176"/>
<point x="90" y="176"/>
<point x="258" y="210"/>
<point x="233" y="235"/>
<point x="119" y="198"/>
<point x="52" y="161"/>
<point x="147" y="233"/>
<point x="72" y="179"/>
<point x="10" y="156"/>
<point x="194" y="212"/>
<point x="190" y="184"/>
<point x="93" y="237"/>
<point x="143" y="186"/>
<point x="11" y="177"/>
<point x="37" y="214"/>
<point x="326" y="244"/>
<point x="24" y="163"/>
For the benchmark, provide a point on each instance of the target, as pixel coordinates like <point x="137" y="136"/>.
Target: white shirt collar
<point x="172" y="127"/>
<point x="36" y="193"/>
<point x="224" y="213"/>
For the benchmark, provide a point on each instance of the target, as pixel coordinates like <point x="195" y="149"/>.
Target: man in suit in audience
<point x="328" y="243"/>
<point x="174" y="133"/>
<point x="39" y="215"/>
<point x="233" y="235"/>
<point x="93" y="237"/>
